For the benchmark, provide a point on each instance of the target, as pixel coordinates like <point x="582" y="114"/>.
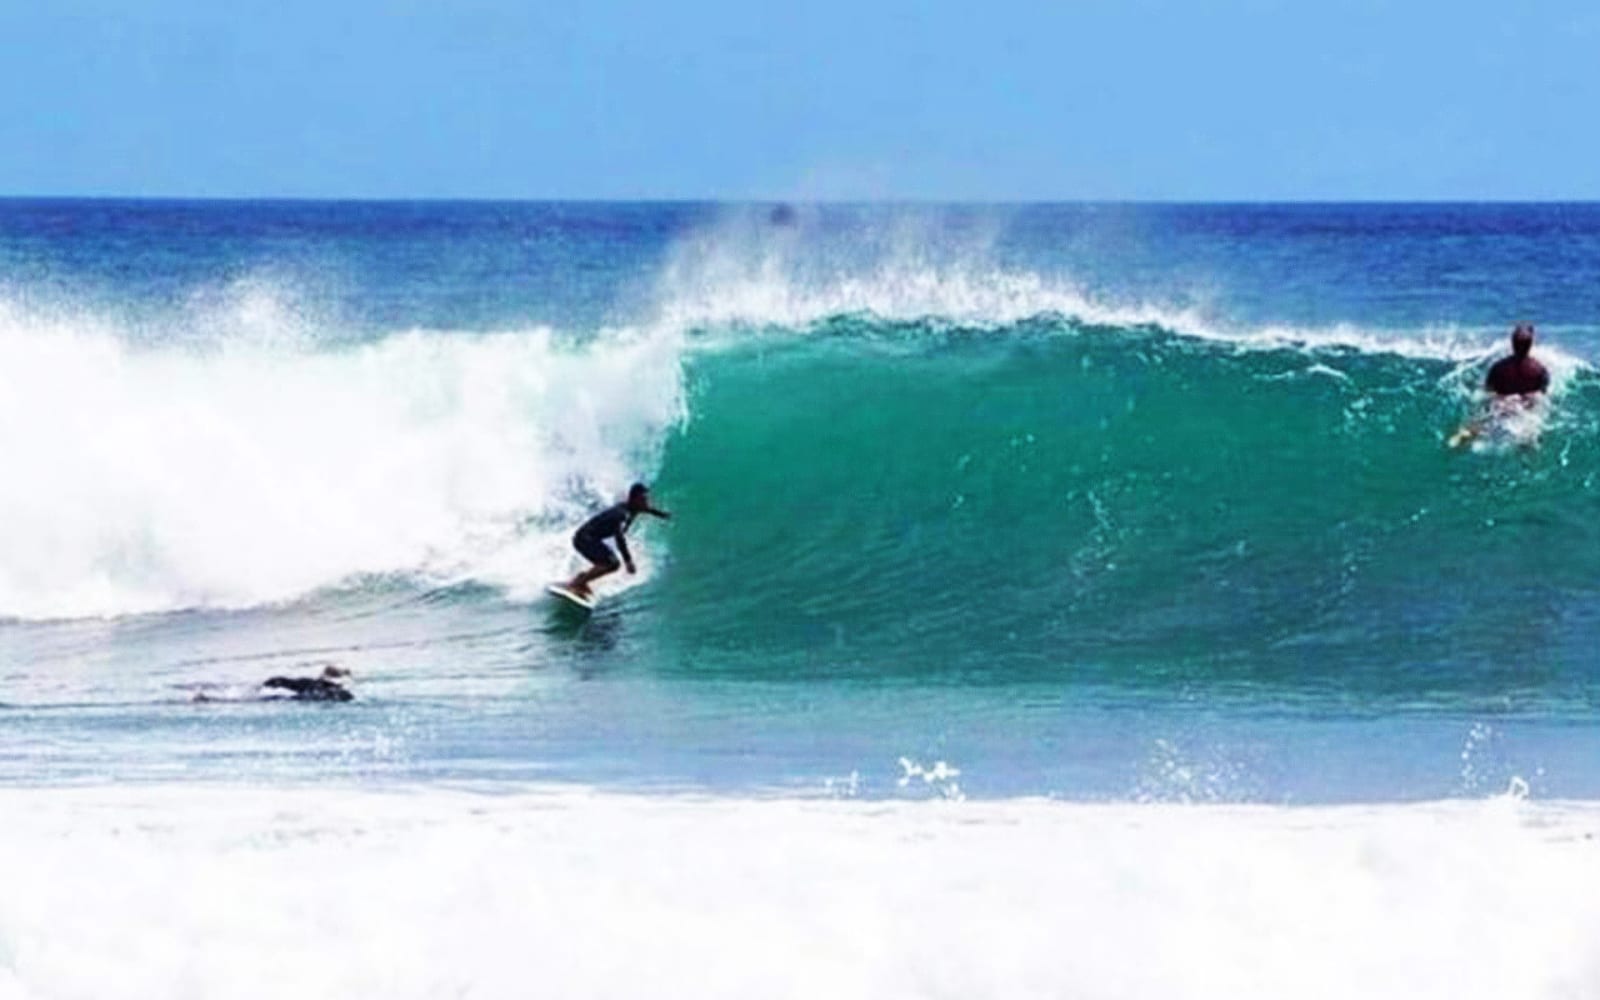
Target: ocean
<point x="1059" y="601"/>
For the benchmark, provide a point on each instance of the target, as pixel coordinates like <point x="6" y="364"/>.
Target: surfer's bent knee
<point x="596" y="551"/>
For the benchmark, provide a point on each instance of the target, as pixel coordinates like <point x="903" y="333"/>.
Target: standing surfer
<point x="611" y="523"/>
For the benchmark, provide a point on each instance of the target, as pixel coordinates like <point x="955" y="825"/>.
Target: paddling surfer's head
<point x="1522" y="339"/>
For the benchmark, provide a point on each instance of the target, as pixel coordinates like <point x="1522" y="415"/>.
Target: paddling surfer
<point x="328" y="686"/>
<point x="1516" y="382"/>
<point x="1520" y="374"/>
<point x="612" y="523"/>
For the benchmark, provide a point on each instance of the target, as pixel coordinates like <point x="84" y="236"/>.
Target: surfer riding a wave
<point x="611" y="523"/>
<point x="1517" y="382"/>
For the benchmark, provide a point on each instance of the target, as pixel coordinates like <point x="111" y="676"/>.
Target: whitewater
<point x="1060" y="600"/>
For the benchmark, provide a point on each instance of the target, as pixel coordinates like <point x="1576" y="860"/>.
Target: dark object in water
<point x="323" y="688"/>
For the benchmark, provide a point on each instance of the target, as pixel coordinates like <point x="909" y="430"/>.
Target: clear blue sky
<point x="1011" y="100"/>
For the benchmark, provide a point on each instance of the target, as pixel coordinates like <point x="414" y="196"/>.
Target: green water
<point x="1056" y="501"/>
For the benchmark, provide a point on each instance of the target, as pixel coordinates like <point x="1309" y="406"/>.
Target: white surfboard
<point x="571" y="596"/>
<point x="1510" y="422"/>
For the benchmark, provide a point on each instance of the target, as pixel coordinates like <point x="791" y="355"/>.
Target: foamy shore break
<point x="169" y="891"/>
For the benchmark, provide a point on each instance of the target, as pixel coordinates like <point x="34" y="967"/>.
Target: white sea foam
<point x="174" y="891"/>
<point x="147" y="476"/>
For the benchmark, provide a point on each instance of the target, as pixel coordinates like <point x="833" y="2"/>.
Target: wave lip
<point x="743" y="276"/>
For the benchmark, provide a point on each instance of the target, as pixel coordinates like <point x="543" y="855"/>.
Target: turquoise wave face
<point x="1121" y="505"/>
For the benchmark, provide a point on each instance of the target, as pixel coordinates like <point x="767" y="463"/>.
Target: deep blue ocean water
<point x="1146" y="511"/>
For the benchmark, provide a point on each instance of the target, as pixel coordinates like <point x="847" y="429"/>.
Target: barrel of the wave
<point x="594" y="540"/>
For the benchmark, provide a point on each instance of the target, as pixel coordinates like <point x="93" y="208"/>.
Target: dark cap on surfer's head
<point x="638" y="491"/>
<point x="1522" y="338"/>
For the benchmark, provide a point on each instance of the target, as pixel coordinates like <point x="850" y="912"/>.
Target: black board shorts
<point x="595" y="550"/>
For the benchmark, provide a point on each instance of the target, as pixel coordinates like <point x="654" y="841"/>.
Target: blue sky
<point x="1074" y="99"/>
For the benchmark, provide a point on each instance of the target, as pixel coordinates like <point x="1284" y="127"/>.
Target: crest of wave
<point x="149" y="473"/>
<point x="908" y="267"/>
<point x="917" y="266"/>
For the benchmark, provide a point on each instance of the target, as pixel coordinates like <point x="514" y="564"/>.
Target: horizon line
<point x="910" y="201"/>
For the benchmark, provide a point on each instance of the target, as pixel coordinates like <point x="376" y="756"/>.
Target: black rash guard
<point x="609" y="523"/>
<point x="1516" y="376"/>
